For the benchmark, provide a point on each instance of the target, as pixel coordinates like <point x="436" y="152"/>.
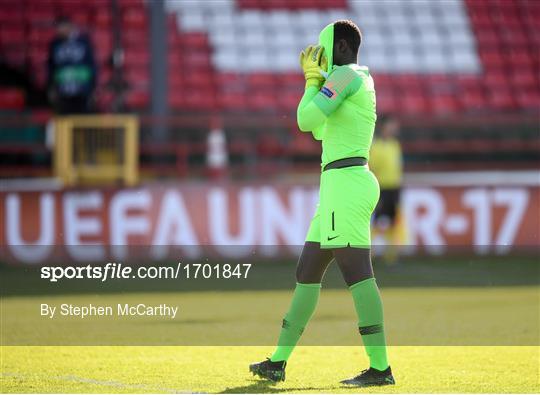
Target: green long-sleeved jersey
<point x="342" y="113"/>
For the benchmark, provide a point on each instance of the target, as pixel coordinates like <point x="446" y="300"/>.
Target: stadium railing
<point x="270" y="144"/>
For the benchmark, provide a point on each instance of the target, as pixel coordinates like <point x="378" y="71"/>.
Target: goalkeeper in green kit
<point x="338" y="108"/>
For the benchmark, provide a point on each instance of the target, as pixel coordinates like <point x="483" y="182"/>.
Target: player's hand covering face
<point x="313" y="63"/>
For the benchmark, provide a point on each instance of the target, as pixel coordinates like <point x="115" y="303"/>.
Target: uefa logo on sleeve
<point x="328" y="90"/>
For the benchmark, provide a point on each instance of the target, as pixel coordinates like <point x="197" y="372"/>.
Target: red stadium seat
<point x="12" y="36"/>
<point x="514" y="38"/>
<point x="506" y="32"/>
<point x="468" y="81"/>
<point x="135" y="38"/>
<point x="288" y="100"/>
<point x="412" y="101"/>
<point x="437" y="84"/>
<point x="137" y="100"/>
<point x="534" y="35"/>
<point x="480" y="19"/>
<point x="303" y="144"/>
<point x="175" y="40"/>
<point x="492" y="59"/>
<point x="134" y="18"/>
<point x="528" y="99"/>
<point x="473" y="101"/>
<point x="176" y="99"/>
<point x="291" y="4"/>
<point x="382" y="79"/>
<point x="175" y="80"/>
<point x="198" y="80"/>
<point x="38" y="57"/>
<point x="261" y="81"/>
<point x="524" y="78"/>
<point x="11" y="16"/>
<point x="496" y="79"/>
<point x="235" y="101"/>
<point x="175" y="62"/>
<point x="262" y="100"/>
<point x="103" y="18"/>
<point x="15" y="5"/>
<point x="15" y="56"/>
<point x="195" y="40"/>
<point x="101" y="38"/>
<point x="70" y="5"/>
<point x="39" y="76"/>
<point x="268" y="4"/>
<point x="198" y="99"/>
<point x="508" y="18"/>
<point x="269" y="146"/>
<point x="444" y="104"/>
<point x="137" y="57"/>
<point x="197" y="59"/>
<point x="292" y="81"/>
<point x="81" y="17"/>
<point x="103" y="53"/>
<point x="519" y="58"/>
<point x="386" y="100"/>
<point x="231" y="82"/>
<point x="487" y="38"/>
<point x="105" y="100"/>
<point x="104" y="76"/>
<point x="42" y="16"/>
<point x="248" y="3"/>
<point x="131" y="3"/>
<point x="137" y="76"/>
<point x="40" y="37"/>
<point x="408" y="81"/>
<point x="501" y="99"/>
<point x="11" y="99"/>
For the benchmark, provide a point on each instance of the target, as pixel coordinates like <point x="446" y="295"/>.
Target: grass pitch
<point x="469" y="319"/>
<point x="224" y="369"/>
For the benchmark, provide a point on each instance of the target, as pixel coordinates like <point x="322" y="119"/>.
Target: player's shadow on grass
<point x="265" y="387"/>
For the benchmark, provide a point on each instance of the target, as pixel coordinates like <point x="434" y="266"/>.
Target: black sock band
<point x="370" y="330"/>
<point x="288" y="325"/>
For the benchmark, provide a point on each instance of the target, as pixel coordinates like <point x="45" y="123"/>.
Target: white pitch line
<point x="109" y="383"/>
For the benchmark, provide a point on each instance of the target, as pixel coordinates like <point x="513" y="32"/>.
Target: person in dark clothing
<point x="72" y="70"/>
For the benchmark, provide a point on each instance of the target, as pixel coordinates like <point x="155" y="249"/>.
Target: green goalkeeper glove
<point x="313" y="62"/>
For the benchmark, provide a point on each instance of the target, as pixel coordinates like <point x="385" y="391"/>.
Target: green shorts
<point x="347" y="198"/>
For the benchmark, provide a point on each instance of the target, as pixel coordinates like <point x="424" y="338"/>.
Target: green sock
<point x="368" y="305"/>
<point x="303" y="305"/>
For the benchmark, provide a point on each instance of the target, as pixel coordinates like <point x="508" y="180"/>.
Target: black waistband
<point x="346" y="162"/>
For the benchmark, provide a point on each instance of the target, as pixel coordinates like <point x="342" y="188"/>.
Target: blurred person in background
<point x="71" y="74"/>
<point x="386" y="162"/>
